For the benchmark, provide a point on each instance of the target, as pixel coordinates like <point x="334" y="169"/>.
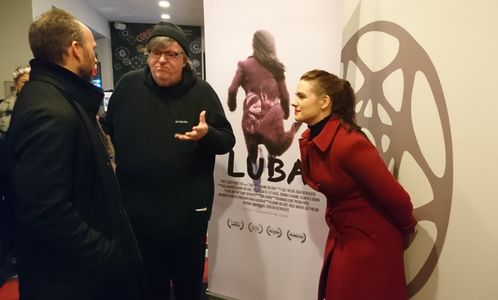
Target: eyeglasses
<point x="156" y="54"/>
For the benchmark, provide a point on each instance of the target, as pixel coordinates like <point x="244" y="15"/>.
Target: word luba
<point x="275" y="169"/>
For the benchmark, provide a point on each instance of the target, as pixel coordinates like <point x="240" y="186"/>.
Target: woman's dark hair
<point x="340" y="92"/>
<point x="263" y="45"/>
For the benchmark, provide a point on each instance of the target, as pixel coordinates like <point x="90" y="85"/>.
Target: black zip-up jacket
<point x="74" y="239"/>
<point x="167" y="184"/>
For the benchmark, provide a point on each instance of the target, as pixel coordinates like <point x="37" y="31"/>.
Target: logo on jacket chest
<point x="182" y="126"/>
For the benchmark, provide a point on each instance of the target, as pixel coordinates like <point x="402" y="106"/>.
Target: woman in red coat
<point x="369" y="214"/>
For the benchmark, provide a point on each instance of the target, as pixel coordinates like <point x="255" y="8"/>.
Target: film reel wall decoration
<point x="392" y="129"/>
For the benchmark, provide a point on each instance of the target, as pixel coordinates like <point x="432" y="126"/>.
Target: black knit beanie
<point x="170" y="30"/>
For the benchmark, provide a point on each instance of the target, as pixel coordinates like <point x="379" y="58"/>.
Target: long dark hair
<point x="340" y="92"/>
<point x="264" y="51"/>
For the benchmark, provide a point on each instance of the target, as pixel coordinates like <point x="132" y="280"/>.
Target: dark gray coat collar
<point x="71" y="85"/>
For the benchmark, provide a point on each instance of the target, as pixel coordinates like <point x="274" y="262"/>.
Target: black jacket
<point x="167" y="184"/>
<point x="73" y="237"/>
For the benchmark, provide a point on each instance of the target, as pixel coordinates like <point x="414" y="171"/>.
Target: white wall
<point x="460" y="41"/>
<point x="79" y="9"/>
<point x="105" y="57"/>
<point x="15" y="18"/>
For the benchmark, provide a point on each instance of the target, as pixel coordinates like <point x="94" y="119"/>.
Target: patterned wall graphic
<point x="128" y="44"/>
<point x="390" y="121"/>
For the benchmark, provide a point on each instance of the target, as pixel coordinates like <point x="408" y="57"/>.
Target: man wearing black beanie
<point x="167" y="126"/>
<point x="172" y="31"/>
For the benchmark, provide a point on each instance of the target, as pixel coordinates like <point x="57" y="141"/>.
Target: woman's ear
<point x="325" y="102"/>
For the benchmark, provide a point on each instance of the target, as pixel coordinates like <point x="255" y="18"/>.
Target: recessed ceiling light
<point x="164" y="3"/>
<point x="165" y="16"/>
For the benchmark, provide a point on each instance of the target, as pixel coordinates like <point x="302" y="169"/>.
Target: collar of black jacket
<point x="71" y="85"/>
<point x="188" y="79"/>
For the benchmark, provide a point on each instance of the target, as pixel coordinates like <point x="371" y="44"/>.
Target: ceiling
<point x="182" y="12"/>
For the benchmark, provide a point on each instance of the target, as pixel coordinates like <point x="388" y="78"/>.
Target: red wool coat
<point x="368" y="213"/>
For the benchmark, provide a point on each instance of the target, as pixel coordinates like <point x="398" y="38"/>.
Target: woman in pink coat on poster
<point x="262" y="78"/>
<point x="368" y="213"/>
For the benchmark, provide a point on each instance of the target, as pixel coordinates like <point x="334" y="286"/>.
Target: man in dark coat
<point x="167" y="126"/>
<point x="73" y="237"/>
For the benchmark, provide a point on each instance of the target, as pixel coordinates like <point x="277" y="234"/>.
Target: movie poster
<point x="267" y="231"/>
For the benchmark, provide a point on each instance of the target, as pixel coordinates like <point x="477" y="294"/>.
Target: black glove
<point x="232" y="103"/>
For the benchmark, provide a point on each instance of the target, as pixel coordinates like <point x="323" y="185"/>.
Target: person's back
<point x="73" y="237"/>
<point x="8" y="268"/>
<point x="7" y="260"/>
<point x="257" y="78"/>
<point x="262" y="73"/>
